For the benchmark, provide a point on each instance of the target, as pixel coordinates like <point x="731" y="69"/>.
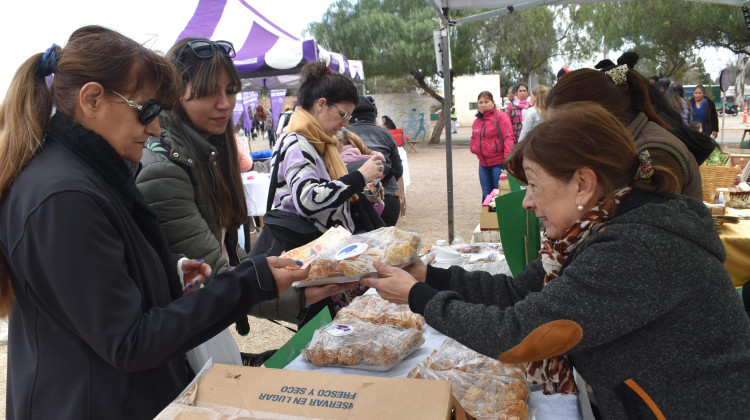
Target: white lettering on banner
<point x="277" y="93"/>
<point x="252" y="60"/>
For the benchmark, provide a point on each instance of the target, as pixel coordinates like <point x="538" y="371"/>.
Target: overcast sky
<point x="31" y="26"/>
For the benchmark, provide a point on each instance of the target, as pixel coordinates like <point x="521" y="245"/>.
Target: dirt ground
<point x="427" y="214"/>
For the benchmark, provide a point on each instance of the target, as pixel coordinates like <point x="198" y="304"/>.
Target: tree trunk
<point x="438" y="130"/>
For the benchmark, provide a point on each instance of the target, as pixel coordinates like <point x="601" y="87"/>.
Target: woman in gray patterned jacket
<point x="629" y="288"/>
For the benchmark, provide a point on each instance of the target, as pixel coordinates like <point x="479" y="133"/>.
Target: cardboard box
<point x="227" y="392"/>
<point x="488" y="219"/>
<point x="503" y="187"/>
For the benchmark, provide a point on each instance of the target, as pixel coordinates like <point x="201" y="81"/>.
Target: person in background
<point x="380" y="140"/>
<point x="653" y="79"/>
<point x="535" y="113"/>
<point x="676" y="98"/>
<point x="491" y="140"/>
<point x="703" y="111"/>
<point x="662" y="86"/>
<point x="629" y="288"/>
<point x="388" y="123"/>
<point x="260" y="118"/>
<point x="517" y="107"/>
<point x="313" y="189"/>
<point x="243" y="153"/>
<point x="270" y="133"/>
<point x="454" y="118"/>
<point x="624" y="93"/>
<point x="509" y="98"/>
<point x="354" y="153"/>
<point x="100" y="317"/>
<point x="283" y="120"/>
<point x="191" y="175"/>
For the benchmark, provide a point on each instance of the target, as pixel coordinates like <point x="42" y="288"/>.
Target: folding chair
<point x="411" y="145"/>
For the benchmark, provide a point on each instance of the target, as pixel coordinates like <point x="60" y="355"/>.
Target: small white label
<point x="338" y="330"/>
<point x="350" y="251"/>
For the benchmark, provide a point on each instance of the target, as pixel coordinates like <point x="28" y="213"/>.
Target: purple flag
<point x="277" y="101"/>
<point x="249" y="102"/>
<point x="237" y="112"/>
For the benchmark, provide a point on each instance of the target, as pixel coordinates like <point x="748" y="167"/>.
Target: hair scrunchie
<point x="49" y="61"/>
<point x="327" y="71"/>
<point x="619" y="74"/>
<point x="646" y="167"/>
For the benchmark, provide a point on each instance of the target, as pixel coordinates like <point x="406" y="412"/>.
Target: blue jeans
<point x="489" y="176"/>
<point x="453" y="124"/>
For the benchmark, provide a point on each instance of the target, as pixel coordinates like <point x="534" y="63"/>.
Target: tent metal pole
<point x="447" y="99"/>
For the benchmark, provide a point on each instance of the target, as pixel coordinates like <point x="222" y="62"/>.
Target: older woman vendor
<point x="629" y="288"/>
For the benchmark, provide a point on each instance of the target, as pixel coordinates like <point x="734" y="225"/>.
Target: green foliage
<point x="666" y="33"/>
<point x="392" y="37"/>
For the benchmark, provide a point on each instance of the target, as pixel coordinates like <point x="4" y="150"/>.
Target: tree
<point x="523" y="42"/>
<point x="667" y="33"/>
<point x="392" y="37"/>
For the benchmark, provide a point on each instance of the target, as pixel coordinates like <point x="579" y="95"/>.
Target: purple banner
<point x="277" y="102"/>
<point x="249" y="102"/>
<point x="237" y="112"/>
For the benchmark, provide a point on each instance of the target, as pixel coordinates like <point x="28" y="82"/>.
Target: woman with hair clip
<point x="100" y="320"/>
<point x="624" y="93"/>
<point x="311" y="189"/>
<point x="191" y="178"/>
<point x="629" y="288"/>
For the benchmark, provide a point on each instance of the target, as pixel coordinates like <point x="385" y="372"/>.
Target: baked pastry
<point x="354" y="257"/>
<point x="352" y="342"/>
<point x="373" y="308"/>
<point x="486" y="388"/>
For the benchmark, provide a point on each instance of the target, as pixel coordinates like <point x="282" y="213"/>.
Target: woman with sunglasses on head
<point x="313" y="189"/>
<point x="191" y="178"/>
<point x="100" y="319"/>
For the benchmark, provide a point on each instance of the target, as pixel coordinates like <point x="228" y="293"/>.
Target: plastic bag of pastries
<point x="353" y="257"/>
<point x="373" y="308"/>
<point x="363" y="345"/>
<point x="486" y="388"/>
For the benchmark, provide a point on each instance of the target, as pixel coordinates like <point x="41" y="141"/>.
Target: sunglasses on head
<point x="205" y="49"/>
<point x="147" y="112"/>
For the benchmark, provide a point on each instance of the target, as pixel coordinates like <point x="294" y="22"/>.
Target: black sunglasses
<point x="147" y="112"/>
<point x="205" y="49"/>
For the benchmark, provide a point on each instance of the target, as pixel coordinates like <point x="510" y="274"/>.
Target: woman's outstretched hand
<point x="393" y="284"/>
<point x="286" y="271"/>
<point x="194" y="274"/>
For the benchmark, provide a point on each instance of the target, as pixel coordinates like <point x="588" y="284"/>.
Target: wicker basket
<point x="714" y="177"/>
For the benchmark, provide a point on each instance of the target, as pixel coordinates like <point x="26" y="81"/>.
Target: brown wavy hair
<point x="585" y="135"/>
<point x="225" y="185"/>
<point x="625" y="100"/>
<point x="92" y="54"/>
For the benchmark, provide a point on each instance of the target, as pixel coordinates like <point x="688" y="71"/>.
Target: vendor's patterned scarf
<point x="556" y="374"/>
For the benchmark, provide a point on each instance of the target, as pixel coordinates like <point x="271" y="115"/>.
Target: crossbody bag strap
<point x="499" y="136"/>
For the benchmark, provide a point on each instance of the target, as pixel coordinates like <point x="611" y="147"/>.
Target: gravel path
<point x="427" y="214"/>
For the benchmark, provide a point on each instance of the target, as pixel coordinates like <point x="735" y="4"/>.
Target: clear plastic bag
<point x="486" y="388"/>
<point x="373" y="308"/>
<point x="363" y="345"/>
<point x="352" y="258"/>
